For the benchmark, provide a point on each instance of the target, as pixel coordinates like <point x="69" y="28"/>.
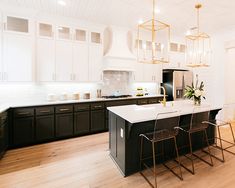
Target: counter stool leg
<point x="208" y="146"/>
<point x="232" y="132"/>
<point x="154" y="165"/>
<point x="221" y="145"/>
<point x="141" y="152"/>
<point x="191" y="152"/>
<point x="178" y="158"/>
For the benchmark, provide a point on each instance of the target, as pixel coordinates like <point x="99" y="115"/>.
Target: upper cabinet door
<point x="138" y="75"/>
<point x="80" y="56"/>
<point x="63" y="33"/>
<point x="95" y="56"/>
<point x="45" y="30"/>
<point x="95" y="63"/>
<point x="17" y="24"/>
<point x="95" y="37"/>
<point x="64" y="61"/>
<point x="17" y="57"/>
<point x="148" y="72"/>
<point x="45" y="60"/>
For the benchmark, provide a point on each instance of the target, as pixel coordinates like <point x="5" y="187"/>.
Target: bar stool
<point x="165" y="128"/>
<point x="198" y="124"/>
<point x="228" y="115"/>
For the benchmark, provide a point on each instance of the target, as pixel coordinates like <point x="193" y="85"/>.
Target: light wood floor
<point x="85" y="163"/>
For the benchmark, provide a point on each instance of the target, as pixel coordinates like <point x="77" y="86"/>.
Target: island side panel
<point x="117" y="140"/>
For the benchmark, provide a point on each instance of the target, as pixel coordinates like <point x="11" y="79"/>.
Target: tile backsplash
<point x="116" y="82"/>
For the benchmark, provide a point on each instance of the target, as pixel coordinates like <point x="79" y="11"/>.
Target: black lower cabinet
<point x="23" y="131"/>
<point x="3" y="134"/>
<point x="64" y="125"/>
<point x="81" y="122"/>
<point x="44" y="126"/>
<point x="97" y="120"/>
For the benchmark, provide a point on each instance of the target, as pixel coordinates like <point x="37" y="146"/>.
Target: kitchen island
<point x="126" y="123"/>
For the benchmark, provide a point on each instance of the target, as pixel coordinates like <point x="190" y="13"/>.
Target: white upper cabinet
<point x="45" y="60"/>
<point x="148" y="72"/>
<point x="45" y="52"/>
<point x="17" y="57"/>
<point x="80" y="56"/>
<point x="17" y="49"/>
<point x="64" y="61"/>
<point x="95" y="57"/>
<point x="138" y="74"/>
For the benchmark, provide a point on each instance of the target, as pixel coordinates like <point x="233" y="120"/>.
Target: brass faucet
<point x="164" y="96"/>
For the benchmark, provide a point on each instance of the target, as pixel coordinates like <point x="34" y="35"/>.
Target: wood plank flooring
<point x="85" y="163"/>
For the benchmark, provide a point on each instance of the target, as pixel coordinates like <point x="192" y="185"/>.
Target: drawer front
<point x="142" y="101"/>
<point x="81" y="107"/>
<point x="97" y="106"/>
<point x="44" y="111"/>
<point x="23" y="112"/>
<point x="64" y="109"/>
<point x="154" y="100"/>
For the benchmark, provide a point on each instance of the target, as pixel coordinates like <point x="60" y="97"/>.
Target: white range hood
<point x="117" y="50"/>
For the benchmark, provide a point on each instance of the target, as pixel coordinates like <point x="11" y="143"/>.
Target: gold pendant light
<point x="198" y="45"/>
<point x="153" y="41"/>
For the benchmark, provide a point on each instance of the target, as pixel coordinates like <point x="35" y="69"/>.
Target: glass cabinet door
<point x="45" y="30"/>
<point x="17" y="24"/>
<point x="80" y="35"/>
<point x="95" y="37"/>
<point x="63" y="33"/>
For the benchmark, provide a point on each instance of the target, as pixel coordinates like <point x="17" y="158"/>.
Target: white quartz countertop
<point x="35" y="102"/>
<point x="142" y="113"/>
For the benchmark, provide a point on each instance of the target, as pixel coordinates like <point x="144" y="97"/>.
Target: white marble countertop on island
<point x="35" y="102"/>
<point x="142" y="113"/>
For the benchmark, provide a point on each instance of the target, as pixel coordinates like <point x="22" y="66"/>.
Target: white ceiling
<point x="180" y="14"/>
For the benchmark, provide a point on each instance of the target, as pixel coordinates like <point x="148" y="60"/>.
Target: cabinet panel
<point x="80" y="62"/>
<point x="64" y="125"/>
<point x="81" y="122"/>
<point x="148" y="73"/>
<point x="44" y="128"/>
<point x="97" y="120"/>
<point x="45" y="60"/>
<point x="64" y="61"/>
<point x="23" y="131"/>
<point x="138" y="75"/>
<point x="95" y="63"/>
<point x="17" y="57"/>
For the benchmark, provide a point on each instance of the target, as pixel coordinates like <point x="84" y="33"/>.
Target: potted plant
<point x="195" y="93"/>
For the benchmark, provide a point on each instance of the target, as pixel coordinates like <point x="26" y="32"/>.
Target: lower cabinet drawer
<point x="64" y="109"/>
<point x="64" y="125"/>
<point x="45" y="128"/>
<point x="142" y="101"/>
<point x="153" y="101"/>
<point x="23" y="112"/>
<point x="44" y="111"/>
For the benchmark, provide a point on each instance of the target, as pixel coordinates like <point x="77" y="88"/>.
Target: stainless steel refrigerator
<point x="175" y="81"/>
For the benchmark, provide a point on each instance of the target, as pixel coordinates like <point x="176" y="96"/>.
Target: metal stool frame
<point x="154" y="142"/>
<point x="196" y="127"/>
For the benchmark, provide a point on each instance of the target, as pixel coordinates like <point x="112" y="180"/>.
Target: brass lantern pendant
<point x="198" y="46"/>
<point x="153" y="41"/>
